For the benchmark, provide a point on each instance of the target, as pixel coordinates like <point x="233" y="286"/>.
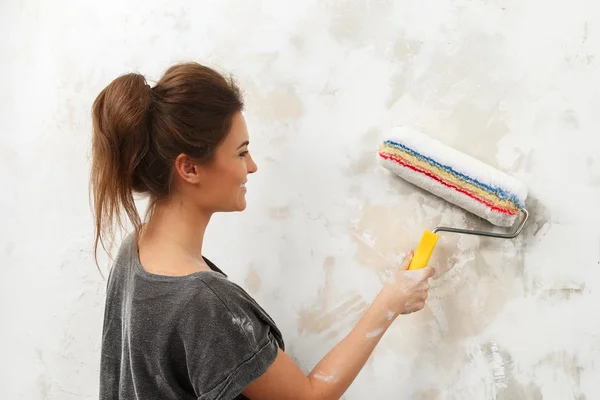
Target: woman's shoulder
<point x="230" y="339"/>
<point x="224" y="296"/>
<point x="217" y="285"/>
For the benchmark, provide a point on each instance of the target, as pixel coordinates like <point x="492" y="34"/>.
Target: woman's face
<point x="221" y="185"/>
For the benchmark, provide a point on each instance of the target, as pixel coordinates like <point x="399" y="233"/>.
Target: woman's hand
<point x="407" y="292"/>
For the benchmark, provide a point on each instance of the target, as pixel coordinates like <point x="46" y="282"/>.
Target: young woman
<point x="175" y="327"/>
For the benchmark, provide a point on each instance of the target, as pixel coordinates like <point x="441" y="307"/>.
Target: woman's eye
<point x="243" y="154"/>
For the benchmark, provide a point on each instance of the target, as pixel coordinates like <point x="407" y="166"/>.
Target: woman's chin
<point x="241" y="203"/>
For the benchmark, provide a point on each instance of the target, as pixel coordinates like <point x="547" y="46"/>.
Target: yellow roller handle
<point x="424" y="250"/>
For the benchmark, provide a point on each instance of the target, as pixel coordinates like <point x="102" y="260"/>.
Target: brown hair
<point x="139" y="131"/>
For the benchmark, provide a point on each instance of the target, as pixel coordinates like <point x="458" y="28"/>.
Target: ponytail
<point x="121" y="139"/>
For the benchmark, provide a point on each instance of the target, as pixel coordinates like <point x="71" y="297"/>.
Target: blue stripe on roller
<point x="497" y="191"/>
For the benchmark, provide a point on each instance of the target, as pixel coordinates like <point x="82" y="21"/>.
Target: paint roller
<point x="459" y="179"/>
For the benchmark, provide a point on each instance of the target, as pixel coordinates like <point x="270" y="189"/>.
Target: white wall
<point x="515" y="83"/>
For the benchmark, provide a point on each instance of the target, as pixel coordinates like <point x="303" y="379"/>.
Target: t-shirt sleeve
<point x="228" y="344"/>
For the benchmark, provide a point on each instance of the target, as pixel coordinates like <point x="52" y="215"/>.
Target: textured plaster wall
<point x="514" y="83"/>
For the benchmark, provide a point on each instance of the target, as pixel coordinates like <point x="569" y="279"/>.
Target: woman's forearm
<point x="332" y="376"/>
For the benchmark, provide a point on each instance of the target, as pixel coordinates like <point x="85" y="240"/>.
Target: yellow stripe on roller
<point x="424" y="250"/>
<point x="415" y="161"/>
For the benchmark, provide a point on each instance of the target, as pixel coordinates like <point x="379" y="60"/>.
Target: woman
<point x="175" y="327"/>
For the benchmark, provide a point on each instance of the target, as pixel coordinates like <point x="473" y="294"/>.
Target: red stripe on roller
<point x="447" y="184"/>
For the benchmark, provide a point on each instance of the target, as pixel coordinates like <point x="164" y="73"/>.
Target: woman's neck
<point x="171" y="241"/>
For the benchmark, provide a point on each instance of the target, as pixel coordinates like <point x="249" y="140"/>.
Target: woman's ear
<point x="187" y="169"/>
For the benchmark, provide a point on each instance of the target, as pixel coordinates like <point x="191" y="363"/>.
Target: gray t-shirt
<point x="199" y="336"/>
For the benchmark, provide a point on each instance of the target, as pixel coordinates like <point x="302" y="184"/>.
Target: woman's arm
<point x="332" y="376"/>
